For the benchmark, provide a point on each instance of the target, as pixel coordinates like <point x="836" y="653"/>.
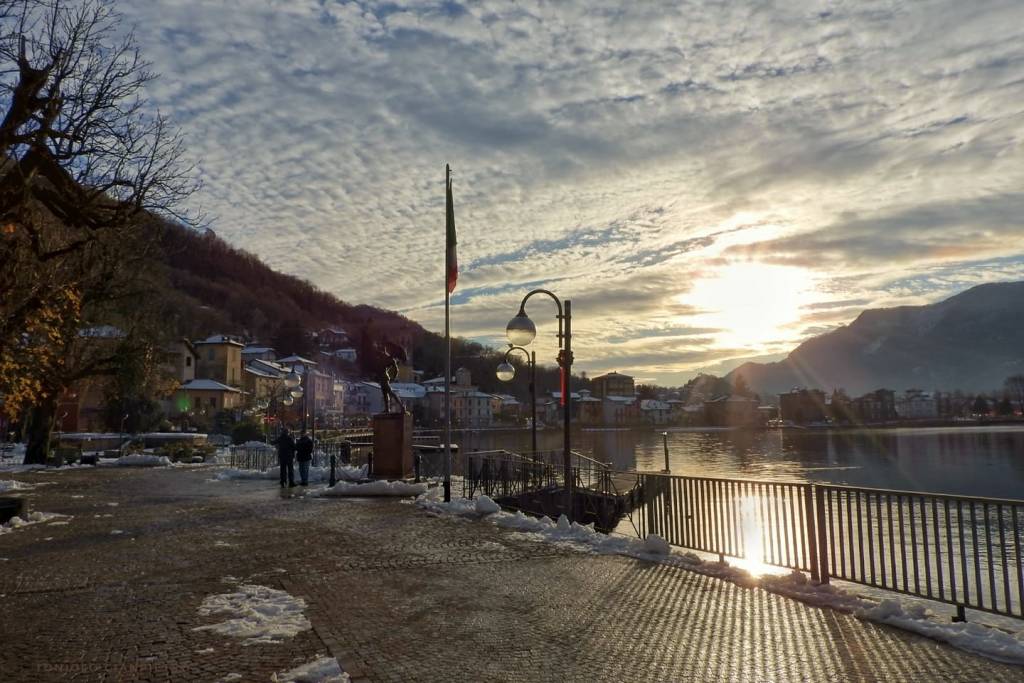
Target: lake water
<point x="973" y="461"/>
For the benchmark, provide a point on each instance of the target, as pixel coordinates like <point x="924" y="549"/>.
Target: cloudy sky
<point x="707" y="181"/>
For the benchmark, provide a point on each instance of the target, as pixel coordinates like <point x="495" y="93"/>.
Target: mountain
<point x="217" y="288"/>
<point x="214" y="288"/>
<point x="972" y="341"/>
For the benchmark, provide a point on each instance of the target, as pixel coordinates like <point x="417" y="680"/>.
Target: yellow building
<point x="220" y="359"/>
<point x="206" y="397"/>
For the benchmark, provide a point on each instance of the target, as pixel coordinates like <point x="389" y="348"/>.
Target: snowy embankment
<point x="143" y="460"/>
<point x="341" y="473"/>
<point x="259" y="614"/>
<point x="32" y="518"/>
<point x="987" y="641"/>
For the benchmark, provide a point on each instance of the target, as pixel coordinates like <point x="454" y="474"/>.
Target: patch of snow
<point x="13" y="485"/>
<point x="656" y="545"/>
<point x="229" y="677"/>
<point x="17" y="467"/>
<point x="372" y="488"/>
<point x="258" y="445"/>
<point x="317" y="474"/>
<point x="115" y="532"/>
<point x="143" y="460"/>
<point x="321" y="670"/>
<point x="29" y="519"/>
<point x="78" y="495"/>
<point x="486" y="506"/>
<point x="259" y="614"/>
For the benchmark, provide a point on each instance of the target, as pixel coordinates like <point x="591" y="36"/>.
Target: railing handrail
<point x="943" y="496"/>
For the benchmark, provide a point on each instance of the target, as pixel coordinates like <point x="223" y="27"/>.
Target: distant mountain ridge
<point x="971" y="341"/>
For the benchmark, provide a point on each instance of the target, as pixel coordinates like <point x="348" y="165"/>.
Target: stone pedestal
<point x="392" y="445"/>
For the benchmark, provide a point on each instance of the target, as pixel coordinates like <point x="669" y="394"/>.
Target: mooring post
<point x="664" y="437"/>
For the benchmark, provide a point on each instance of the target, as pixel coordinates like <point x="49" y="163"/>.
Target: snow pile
<point x="13" y="485"/>
<point x="31" y="518"/>
<point x="143" y="460"/>
<point x="371" y="488"/>
<point x="321" y="670"/>
<point x="257" y="445"/>
<point x="341" y="473"/>
<point x="260" y="614"/>
<point x="486" y="506"/>
<point x="990" y="642"/>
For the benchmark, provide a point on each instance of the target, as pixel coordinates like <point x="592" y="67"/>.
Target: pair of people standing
<point x="288" y="451"/>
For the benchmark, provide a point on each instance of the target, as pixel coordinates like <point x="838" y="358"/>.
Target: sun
<point x="753" y="304"/>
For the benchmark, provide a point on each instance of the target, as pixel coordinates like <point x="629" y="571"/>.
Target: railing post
<point x="810" y="532"/>
<point x="822" y="534"/>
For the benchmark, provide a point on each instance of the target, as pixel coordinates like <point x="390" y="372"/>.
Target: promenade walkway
<point x="395" y="594"/>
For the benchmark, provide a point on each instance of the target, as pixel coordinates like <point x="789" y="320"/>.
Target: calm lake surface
<point x="975" y="461"/>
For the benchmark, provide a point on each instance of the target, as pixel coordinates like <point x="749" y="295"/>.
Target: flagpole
<point x="447" y="352"/>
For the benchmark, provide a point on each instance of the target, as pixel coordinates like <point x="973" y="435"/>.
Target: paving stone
<point x="395" y="594"/>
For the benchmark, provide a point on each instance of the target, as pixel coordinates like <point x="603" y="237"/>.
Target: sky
<point x="708" y="182"/>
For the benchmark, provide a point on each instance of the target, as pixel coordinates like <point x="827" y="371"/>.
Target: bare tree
<point x="87" y="175"/>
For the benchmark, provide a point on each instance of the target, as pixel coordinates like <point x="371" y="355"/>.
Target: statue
<point x="385" y="364"/>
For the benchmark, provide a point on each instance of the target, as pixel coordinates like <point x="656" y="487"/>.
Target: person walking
<point x="286" y="456"/>
<point x="304" y="450"/>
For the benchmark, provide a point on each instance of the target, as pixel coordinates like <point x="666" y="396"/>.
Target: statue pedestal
<point x="392" y="445"/>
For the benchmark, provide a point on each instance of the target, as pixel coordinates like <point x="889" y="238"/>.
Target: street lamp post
<point x="521" y="331"/>
<point x="293" y="383"/>
<point x="506" y="371"/>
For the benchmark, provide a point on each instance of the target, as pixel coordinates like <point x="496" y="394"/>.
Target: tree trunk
<point x="39" y="431"/>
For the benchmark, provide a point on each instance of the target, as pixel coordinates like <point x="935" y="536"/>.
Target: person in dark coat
<point x="304" y="453"/>
<point x="286" y="456"/>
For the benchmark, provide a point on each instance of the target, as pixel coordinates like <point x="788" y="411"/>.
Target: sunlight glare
<point x="753" y="304"/>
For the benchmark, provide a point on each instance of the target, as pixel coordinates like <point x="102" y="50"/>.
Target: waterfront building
<point x="589" y="410"/>
<point x="613" y="384"/>
<point x="874" y="407"/>
<point x="915" y="404"/>
<point x="731" y="411"/>
<point x="655" y="412"/>
<point x="803" y="406"/>
<point x="620" y="410"/>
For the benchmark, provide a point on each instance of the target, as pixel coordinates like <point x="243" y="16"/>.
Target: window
<point x="197" y="400"/>
<point x="213" y="401"/>
<point x="188" y="361"/>
<point x="210" y="354"/>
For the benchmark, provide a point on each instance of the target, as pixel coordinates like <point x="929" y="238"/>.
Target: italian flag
<point x="450" y="260"/>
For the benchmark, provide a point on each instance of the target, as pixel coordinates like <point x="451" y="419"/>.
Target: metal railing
<point x="964" y="551"/>
<point x="768" y="522"/>
<point x="249" y="458"/>
<point x="960" y="550"/>
<point x="504" y="473"/>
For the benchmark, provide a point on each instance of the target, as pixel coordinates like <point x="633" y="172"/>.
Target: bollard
<point x="332" y="481"/>
<point x="416" y="464"/>
<point x="664" y="436"/>
<point x="369" y="464"/>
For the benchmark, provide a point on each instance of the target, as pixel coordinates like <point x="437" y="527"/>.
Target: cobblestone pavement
<point x="394" y="593"/>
